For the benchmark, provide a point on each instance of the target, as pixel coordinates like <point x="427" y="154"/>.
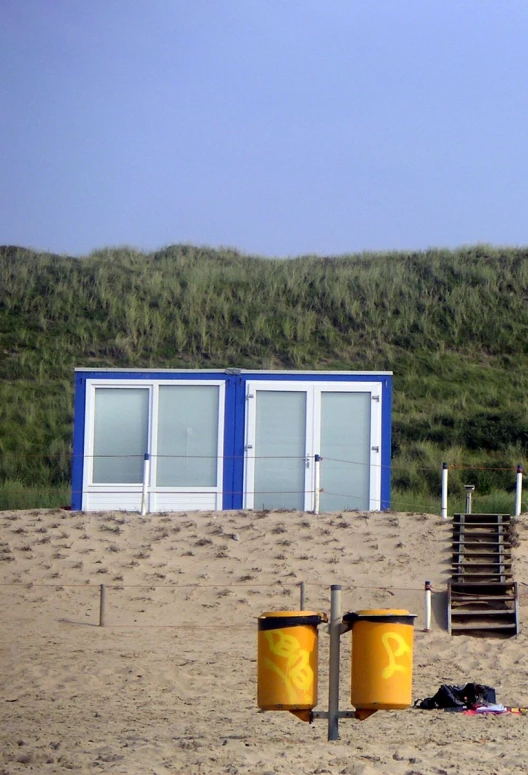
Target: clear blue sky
<point x="279" y="127"/>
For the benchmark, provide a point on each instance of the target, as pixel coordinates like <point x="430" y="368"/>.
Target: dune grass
<point x="450" y="325"/>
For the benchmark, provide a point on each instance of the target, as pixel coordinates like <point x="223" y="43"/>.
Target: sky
<point x="277" y="127"/>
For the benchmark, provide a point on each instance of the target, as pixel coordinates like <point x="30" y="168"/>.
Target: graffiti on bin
<point x="297" y="675"/>
<point x="398" y="648"/>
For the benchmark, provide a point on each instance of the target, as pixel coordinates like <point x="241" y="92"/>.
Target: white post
<point x="334" y="629"/>
<point x="445" y="469"/>
<point x="427" y="606"/>
<point x="518" y="491"/>
<point x="146" y="480"/>
<point x="469" y="488"/>
<point x="317" y="483"/>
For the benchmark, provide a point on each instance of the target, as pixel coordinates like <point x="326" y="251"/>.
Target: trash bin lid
<point x="380" y="615"/>
<point x="274" y="620"/>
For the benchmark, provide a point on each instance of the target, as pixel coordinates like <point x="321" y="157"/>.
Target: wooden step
<point x="483" y="533"/>
<point x="472" y="526"/>
<point x="462" y="530"/>
<point x="476" y="514"/>
<point x="483" y="612"/>
<point x="478" y="561"/>
<point x="479" y="597"/>
<point x="476" y="577"/>
<point x="481" y="548"/>
<point x="478" y="569"/>
<point x="468" y="599"/>
<point x="495" y="587"/>
<point x="469" y="518"/>
<point x="491" y="569"/>
<point x="483" y="557"/>
<point x="482" y="626"/>
<point x="462" y="542"/>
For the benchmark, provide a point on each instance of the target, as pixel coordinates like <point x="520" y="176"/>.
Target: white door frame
<point x="374" y="388"/>
<point x="159" y="498"/>
<point x="313" y="392"/>
<point x="179" y="497"/>
<point x="252" y="386"/>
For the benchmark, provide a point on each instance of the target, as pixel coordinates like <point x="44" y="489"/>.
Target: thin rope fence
<point x="245" y="457"/>
<point x="186" y="624"/>
<point x="145" y="485"/>
<point x="198" y="585"/>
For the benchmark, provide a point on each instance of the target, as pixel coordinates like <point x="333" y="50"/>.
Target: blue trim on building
<point x="78" y="441"/>
<point x="386" y="442"/>
<point x="239" y="442"/>
<point x="229" y="441"/>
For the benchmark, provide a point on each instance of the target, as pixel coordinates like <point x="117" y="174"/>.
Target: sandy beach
<point x="168" y="685"/>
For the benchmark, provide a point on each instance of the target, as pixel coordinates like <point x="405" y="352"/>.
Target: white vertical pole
<point x="146" y="480"/>
<point x="518" y="491"/>
<point x="334" y="629"/>
<point x="427" y="606"/>
<point x="445" y="469"/>
<point x="469" y="490"/>
<point x="317" y="483"/>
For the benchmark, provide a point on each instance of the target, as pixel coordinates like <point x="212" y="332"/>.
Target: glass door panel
<point x="187" y="444"/>
<point x="120" y="435"/>
<point x="345" y="449"/>
<point x="280" y="449"/>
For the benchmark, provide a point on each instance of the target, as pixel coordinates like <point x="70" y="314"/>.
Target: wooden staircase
<point x="482" y="595"/>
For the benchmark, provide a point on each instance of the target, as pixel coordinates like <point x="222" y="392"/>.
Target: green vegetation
<point x="452" y="326"/>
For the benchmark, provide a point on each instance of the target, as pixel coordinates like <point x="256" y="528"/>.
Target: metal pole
<point x="427" y="606"/>
<point x="317" y="483"/>
<point x="469" y="489"/>
<point x="518" y="491"/>
<point x="146" y="479"/>
<point x="334" y="629"/>
<point x="445" y="469"/>
<point x="102" y="602"/>
<point x="302" y="588"/>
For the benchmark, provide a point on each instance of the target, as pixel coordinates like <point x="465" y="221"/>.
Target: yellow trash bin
<point x="382" y="659"/>
<point x="287" y="660"/>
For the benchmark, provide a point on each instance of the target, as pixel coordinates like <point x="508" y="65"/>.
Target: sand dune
<point x="169" y="684"/>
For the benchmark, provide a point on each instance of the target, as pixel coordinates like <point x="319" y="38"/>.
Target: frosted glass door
<point x="187" y="449"/>
<point x="120" y="435"/>
<point x="280" y="449"/>
<point x="345" y="449"/>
